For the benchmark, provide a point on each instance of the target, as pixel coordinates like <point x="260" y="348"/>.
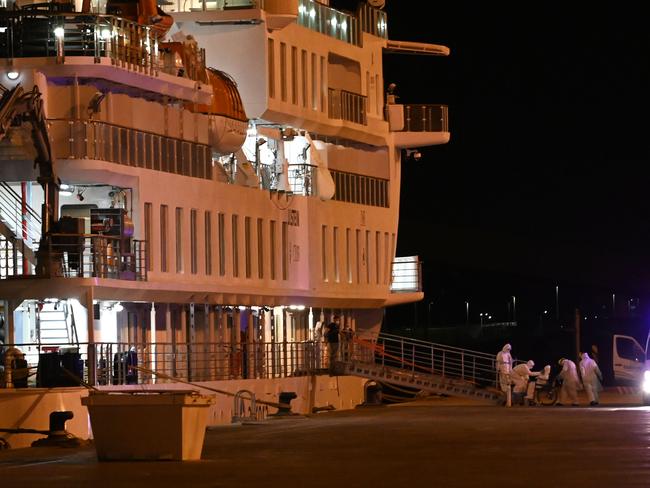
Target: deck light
<point x="312" y="13"/>
<point x="106" y="34"/>
<point x="333" y="22"/>
<point x="59" y="32"/>
<point x="13" y="75"/>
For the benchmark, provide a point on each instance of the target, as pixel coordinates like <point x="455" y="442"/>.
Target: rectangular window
<point x="348" y="264"/>
<point x="283" y="71"/>
<point x="272" y="247"/>
<point x="387" y="258"/>
<point x="285" y="250"/>
<point x="260" y="248"/>
<point x="179" y="240"/>
<point x="378" y="97"/>
<point x="314" y="82"/>
<point x="208" y="242"/>
<point x="247" y="246"/>
<point x="222" y="244"/>
<point x="367" y="249"/>
<point x="378" y="257"/>
<point x="304" y="79"/>
<point x="368" y="90"/>
<point x="335" y="253"/>
<point x="235" y="246"/>
<point x="193" y="242"/>
<point x="271" y="68"/>
<point x="359" y="255"/>
<point x="323" y="246"/>
<point x="148" y="236"/>
<point x="323" y="86"/>
<point x="164" y="237"/>
<point x="294" y="75"/>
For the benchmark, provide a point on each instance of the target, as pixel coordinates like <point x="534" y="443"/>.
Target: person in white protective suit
<point x="591" y="378"/>
<point x="570" y="382"/>
<point x="520" y="376"/>
<point x="504" y="370"/>
<point x="542" y="378"/>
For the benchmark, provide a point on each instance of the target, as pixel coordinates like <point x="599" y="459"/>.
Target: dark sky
<point x="546" y="176"/>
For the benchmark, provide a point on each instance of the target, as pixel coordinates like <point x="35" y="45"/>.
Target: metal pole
<point x="557" y="302"/>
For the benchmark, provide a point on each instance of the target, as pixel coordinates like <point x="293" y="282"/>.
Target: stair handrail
<point x="11" y="208"/>
<point x="435" y="359"/>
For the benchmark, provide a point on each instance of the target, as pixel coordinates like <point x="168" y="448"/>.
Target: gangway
<point x="427" y="366"/>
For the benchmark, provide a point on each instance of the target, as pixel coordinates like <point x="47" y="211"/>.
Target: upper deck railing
<point x="426" y="118"/>
<point x="30" y="33"/>
<point x="345" y="105"/>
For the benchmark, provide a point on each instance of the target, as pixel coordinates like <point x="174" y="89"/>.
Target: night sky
<point x="545" y="179"/>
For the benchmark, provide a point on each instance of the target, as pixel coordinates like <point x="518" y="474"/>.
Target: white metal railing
<point x="107" y="363"/>
<point x="25" y="226"/>
<point x="428" y="358"/>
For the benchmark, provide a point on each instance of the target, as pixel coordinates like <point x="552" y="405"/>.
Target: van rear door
<point x="628" y="358"/>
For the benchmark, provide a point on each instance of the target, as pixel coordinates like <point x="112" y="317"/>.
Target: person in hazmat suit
<point x="570" y="382"/>
<point x="504" y="370"/>
<point x="521" y="374"/>
<point x="591" y="378"/>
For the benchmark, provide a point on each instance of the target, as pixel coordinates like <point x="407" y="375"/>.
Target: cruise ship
<point x="189" y="191"/>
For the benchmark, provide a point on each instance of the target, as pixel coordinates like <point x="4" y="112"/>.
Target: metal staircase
<point x="55" y="323"/>
<point x="434" y="368"/>
<point x="20" y="232"/>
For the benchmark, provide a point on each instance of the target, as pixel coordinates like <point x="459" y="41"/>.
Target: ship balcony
<point x="80" y="256"/>
<point x="36" y="33"/>
<point x="345" y="105"/>
<point x="418" y="125"/>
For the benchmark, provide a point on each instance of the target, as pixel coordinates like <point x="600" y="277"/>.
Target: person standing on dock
<point x="332" y="338"/>
<point x="504" y="370"/>
<point x="570" y="383"/>
<point x="591" y="378"/>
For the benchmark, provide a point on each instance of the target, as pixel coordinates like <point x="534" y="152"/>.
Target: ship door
<point x="628" y="359"/>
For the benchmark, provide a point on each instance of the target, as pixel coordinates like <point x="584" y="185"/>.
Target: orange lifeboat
<point x="145" y="12"/>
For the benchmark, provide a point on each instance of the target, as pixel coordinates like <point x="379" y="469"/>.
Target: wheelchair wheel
<point x="547" y="397"/>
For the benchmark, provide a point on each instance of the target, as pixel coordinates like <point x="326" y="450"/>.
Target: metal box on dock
<point x="148" y="424"/>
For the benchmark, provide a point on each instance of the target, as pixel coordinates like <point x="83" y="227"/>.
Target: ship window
<point x="156" y="153"/>
<point x="359" y="256"/>
<point x="387" y="258"/>
<point x="314" y="82"/>
<point x="148" y="235"/>
<point x="378" y="257"/>
<point x="169" y="164"/>
<point x="132" y="154"/>
<point x="348" y="264"/>
<point x="124" y="147"/>
<point x="147" y="150"/>
<point x="179" y="240"/>
<point x="335" y="253"/>
<point x="208" y="242"/>
<point x="271" y="68"/>
<point x="323" y="85"/>
<point x="164" y="266"/>
<point x="272" y="247"/>
<point x="178" y="169"/>
<point x="367" y="261"/>
<point x="164" y="154"/>
<point x="323" y="245"/>
<point x="235" y="246"/>
<point x="260" y="248"/>
<point x="193" y="242"/>
<point x="222" y="244"/>
<point x="247" y="245"/>
<point x="285" y="250"/>
<point x="283" y="71"/>
<point x="294" y="75"/>
<point x="139" y="141"/>
<point x="304" y="80"/>
<point x="187" y="159"/>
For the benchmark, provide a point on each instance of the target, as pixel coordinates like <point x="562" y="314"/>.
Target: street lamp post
<point x="557" y="302"/>
<point x="429" y="314"/>
<point x="514" y="309"/>
<point x="466" y="312"/>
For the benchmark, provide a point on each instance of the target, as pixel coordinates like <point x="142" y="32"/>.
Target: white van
<point x="631" y="363"/>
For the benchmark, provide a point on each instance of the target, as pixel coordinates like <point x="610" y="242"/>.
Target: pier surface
<point x="442" y="442"/>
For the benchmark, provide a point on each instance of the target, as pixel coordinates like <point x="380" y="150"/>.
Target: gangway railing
<point x="420" y="357"/>
<point x="25" y="226"/>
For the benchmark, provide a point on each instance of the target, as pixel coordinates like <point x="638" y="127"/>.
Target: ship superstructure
<point x="196" y="188"/>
